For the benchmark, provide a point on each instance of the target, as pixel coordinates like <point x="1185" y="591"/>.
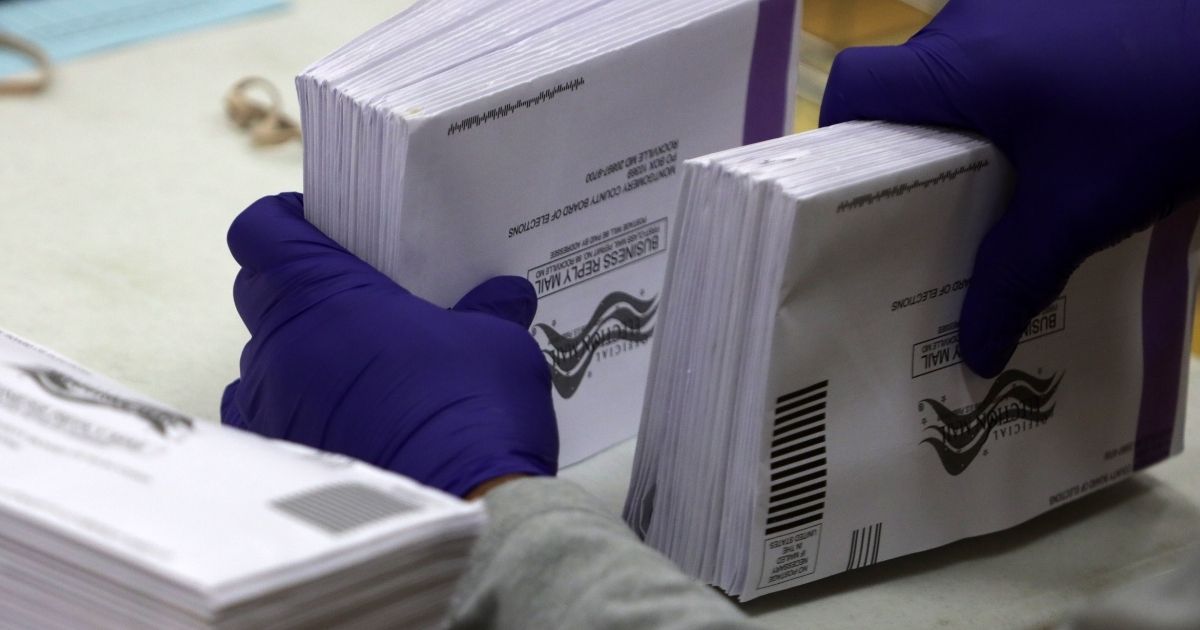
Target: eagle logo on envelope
<point x="65" y="387"/>
<point x="619" y="317"/>
<point x="1016" y="400"/>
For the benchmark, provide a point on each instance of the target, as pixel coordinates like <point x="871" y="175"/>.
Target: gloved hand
<point x="343" y="359"/>
<point x="1095" y="102"/>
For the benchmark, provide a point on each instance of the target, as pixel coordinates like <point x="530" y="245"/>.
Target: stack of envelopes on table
<point x="464" y="139"/>
<point x="118" y="513"/>
<point x="808" y="411"/>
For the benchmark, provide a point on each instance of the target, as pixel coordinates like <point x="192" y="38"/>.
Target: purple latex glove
<point x="343" y="359"/>
<point x="1095" y="102"/>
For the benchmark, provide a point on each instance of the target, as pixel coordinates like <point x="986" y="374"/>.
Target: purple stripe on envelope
<point x="1165" y="318"/>
<point x="767" y="98"/>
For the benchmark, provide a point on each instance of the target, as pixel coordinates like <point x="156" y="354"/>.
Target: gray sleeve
<point x="551" y="557"/>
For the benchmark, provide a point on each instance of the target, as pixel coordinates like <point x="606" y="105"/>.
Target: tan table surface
<point x="116" y="189"/>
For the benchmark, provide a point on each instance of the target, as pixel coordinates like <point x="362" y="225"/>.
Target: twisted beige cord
<point x="26" y="84"/>
<point x="266" y="123"/>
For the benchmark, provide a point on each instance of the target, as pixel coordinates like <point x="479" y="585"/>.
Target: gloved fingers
<point x="288" y="265"/>
<point x="901" y="84"/>
<point x="230" y="414"/>
<point x="1021" y="266"/>
<point x="272" y="232"/>
<point x="507" y="297"/>
<point x="249" y="300"/>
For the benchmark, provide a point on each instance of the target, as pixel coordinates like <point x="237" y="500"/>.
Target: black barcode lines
<point x="798" y="464"/>
<point x="864" y="546"/>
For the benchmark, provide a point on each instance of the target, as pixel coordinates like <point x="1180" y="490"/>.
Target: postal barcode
<point x="798" y="466"/>
<point x="342" y="507"/>
<point x="864" y="546"/>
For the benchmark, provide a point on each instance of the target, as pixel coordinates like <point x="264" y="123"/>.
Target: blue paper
<point x="69" y="28"/>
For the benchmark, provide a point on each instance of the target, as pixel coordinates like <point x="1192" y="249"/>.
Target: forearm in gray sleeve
<point x="552" y="558"/>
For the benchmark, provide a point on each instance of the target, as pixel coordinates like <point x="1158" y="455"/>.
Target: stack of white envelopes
<point x="808" y="411"/>
<point x="464" y="139"/>
<point x="118" y="513"/>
